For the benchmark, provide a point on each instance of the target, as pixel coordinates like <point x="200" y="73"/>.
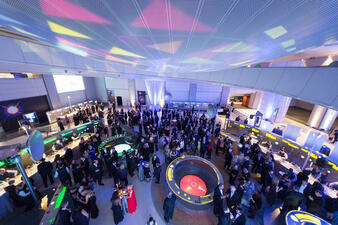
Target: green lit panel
<point x="64" y="134"/>
<point x="60" y="198"/>
<point x="23" y="152"/>
<point x="49" y="141"/>
<point x="2" y="163"/>
<point x="81" y="128"/>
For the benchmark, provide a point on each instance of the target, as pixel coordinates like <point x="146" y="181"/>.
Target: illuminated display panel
<point x="68" y="83"/>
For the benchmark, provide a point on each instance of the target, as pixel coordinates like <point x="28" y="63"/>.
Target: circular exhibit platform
<point x="193" y="179"/>
<point x="120" y="143"/>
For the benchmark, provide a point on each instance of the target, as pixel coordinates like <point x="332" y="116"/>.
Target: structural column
<point x="328" y="120"/>
<point x="225" y="95"/>
<point x="132" y="91"/>
<point x="317" y="114"/>
<point x="155" y="90"/>
<point x="255" y="99"/>
<point x="274" y="106"/>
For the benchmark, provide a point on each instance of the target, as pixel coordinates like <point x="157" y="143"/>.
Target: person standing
<point x="63" y="173"/>
<point x="60" y="124"/>
<point x="157" y="172"/>
<point x="239" y="217"/>
<point x="117" y="208"/>
<point x="169" y="206"/>
<point x="96" y="172"/>
<point x="232" y="198"/>
<point x="123" y="175"/>
<point x="218" y="199"/>
<point x="45" y="169"/>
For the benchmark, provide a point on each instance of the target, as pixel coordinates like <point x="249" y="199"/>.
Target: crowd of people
<point x="253" y="179"/>
<point x="173" y="133"/>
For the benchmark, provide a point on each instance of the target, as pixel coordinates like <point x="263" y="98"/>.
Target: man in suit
<point x="155" y="160"/>
<point x="218" y="199"/>
<point x="292" y="201"/>
<point x="169" y="206"/>
<point x="239" y="217"/>
<point x="157" y="172"/>
<point x="267" y="181"/>
<point x="45" y="170"/>
<point x="123" y="175"/>
<point x="96" y="172"/>
<point x="232" y="198"/>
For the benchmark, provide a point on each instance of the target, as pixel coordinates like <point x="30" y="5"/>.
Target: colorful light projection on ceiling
<point x="65" y="31"/>
<point x="159" y="15"/>
<point x="176" y="36"/>
<point x="119" y="51"/>
<point x="169" y="47"/>
<point x="66" y="9"/>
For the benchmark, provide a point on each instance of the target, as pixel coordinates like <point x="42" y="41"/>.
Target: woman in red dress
<point x="132" y="204"/>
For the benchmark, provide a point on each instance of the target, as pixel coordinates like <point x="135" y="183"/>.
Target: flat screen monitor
<point x="31" y="117"/>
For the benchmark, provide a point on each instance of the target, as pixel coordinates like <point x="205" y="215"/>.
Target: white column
<point x="132" y="91"/>
<point x="274" y="106"/>
<point x="316" y="116"/>
<point x="225" y="95"/>
<point x="255" y="98"/>
<point x="155" y="90"/>
<point x="328" y="120"/>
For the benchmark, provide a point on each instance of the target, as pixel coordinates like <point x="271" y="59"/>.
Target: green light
<point x="2" y="163"/>
<point x="25" y="151"/>
<point x="81" y="128"/>
<point x="52" y="220"/>
<point x="60" y="198"/>
<point x="96" y="122"/>
<point x="64" y="134"/>
<point x="49" y="141"/>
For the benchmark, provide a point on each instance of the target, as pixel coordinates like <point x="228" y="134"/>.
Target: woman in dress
<point x="117" y="208"/>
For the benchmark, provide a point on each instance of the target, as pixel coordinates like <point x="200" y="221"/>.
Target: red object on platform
<point x="193" y="185"/>
<point x="132" y="204"/>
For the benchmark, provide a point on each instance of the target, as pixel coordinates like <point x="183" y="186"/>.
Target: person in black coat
<point x="232" y="198"/>
<point x="255" y="204"/>
<point x="45" y="169"/>
<point x="60" y="124"/>
<point x="169" y="206"/>
<point x="233" y="175"/>
<point x="123" y="175"/>
<point x="239" y="217"/>
<point x="96" y="172"/>
<point x="157" y="172"/>
<point x="292" y="200"/>
<point x="315" y="202"/>
<point x="63" y="173"/>
<point x="267" y="181"/>
<point x="228" y="158"/>
<point x="155" y="160"/>
<point x="85" y="165"/>
<point x="11" y="191"/>
<point x="78" y="173"/>
<point x="114" y="171"/>
<point x="224" y="218"/>
<point x="218" y="199"/>
<point x="131" y="164"/>
<point x="146" y="171"/>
